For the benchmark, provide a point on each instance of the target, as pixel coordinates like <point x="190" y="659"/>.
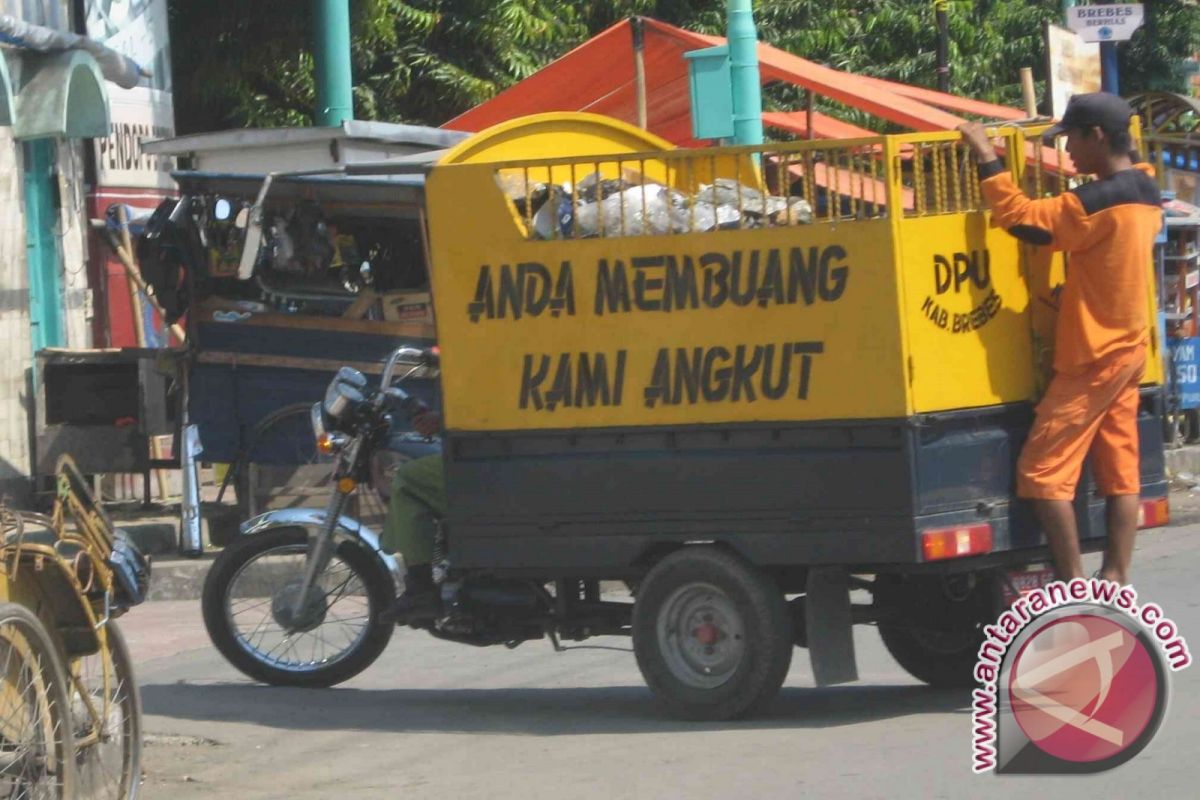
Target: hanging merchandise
<point x="301" y="242"/>
<point x="224" y="231"/>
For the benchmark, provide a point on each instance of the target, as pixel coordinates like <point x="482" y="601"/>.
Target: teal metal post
<point x="41" y="245"/>
<point x="331" y="54"/>
<point x="743" y="65"/>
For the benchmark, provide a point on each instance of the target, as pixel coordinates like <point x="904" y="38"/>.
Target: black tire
<point x="361" y="653"/>
<point x="1191" y="433"/>
<point x="1175" y="428"/>
<point x="933" y="634"/>
<point x="741" y="605"/>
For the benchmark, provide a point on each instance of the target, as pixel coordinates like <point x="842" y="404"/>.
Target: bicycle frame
<point x="71" y="591"/>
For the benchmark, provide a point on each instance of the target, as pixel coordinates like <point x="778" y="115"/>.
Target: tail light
<point x="938" y="544"/>
<point x="1154" y="513"/>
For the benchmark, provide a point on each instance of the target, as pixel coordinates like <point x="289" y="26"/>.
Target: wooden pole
<point x="135" y="275"/>
<point x="808" y="112"/>
<point x="638" y="28"/>
<point x="139" y="327"/>
<point x="1027" y="92"/>
<point x="135" y="303"/>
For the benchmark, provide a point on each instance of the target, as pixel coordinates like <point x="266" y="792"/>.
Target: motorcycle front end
<point x="302" y="599"/>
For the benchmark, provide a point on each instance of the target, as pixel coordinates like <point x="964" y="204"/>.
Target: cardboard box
<point x="407" y="307"/>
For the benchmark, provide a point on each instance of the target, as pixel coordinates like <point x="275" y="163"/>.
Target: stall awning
<point x="389" y="195"/>
<point x="61" y="95"/>
<point x="598" y="76"/>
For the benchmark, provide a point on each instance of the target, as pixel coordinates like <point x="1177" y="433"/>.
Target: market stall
<point x="337" y="275"/>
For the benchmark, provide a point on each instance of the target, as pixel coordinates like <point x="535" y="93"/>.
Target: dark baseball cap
<point x="1098" y="109"/>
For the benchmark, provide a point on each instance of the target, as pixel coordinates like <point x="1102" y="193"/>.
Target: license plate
<point x="1023" y="581"/>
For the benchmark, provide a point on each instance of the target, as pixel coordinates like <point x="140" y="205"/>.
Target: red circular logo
<point x="1084" y="688"/>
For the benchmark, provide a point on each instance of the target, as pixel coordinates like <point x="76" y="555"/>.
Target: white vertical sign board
<point x="1112" y="22"/>
<point x="1074" y="67"/>
<point x="137" y="29"/>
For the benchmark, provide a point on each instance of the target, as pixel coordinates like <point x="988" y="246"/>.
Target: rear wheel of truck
<point x="933" y="625"/>
<point x="712" y="635"/>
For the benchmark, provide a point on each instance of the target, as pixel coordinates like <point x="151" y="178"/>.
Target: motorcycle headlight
<point x="351" y="376"/>
<point x="328" y="442"/>
<point x="339" y="398"/>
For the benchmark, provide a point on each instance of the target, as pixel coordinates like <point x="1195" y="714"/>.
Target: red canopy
<point x="598" y="76"/>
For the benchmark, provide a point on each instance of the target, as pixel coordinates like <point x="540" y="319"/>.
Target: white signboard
<point x="138" y="29"/>
<point x="1074" y="67"/>
<point x="1114" y="22"/>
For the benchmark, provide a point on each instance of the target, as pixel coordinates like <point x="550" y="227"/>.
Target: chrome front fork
<point x="440" y="565"/>
<point x="320" y="550"/>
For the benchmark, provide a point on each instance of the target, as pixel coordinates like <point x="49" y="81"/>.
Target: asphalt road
<point x="432" y="719"/>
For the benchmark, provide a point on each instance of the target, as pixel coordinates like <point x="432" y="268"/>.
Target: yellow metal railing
<point x="694" y="191"/>
<point x="939" y="172"/>
<point x="767" y="186"/>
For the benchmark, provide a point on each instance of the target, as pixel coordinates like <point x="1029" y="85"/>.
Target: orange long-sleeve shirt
<point x="1108" y="228"/>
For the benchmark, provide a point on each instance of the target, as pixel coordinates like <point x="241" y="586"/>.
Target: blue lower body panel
<point x="849" y="492"/>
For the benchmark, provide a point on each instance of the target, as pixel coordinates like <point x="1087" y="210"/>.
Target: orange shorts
<point x="1096" y="410"/>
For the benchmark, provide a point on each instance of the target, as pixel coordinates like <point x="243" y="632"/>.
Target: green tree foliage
<point x="424" y="61"/>
<point x="1151" y="61"/>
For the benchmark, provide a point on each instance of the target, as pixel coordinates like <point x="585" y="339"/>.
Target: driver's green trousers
<point x="418" y="498"/>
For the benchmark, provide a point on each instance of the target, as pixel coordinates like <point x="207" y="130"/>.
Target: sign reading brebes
<point x="1115" y="22"/>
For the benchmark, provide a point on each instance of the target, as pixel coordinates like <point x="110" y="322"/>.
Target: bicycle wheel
<point x="281" y="464"/>
<point x="107" y="713"/>
<point x="36" y="747"/>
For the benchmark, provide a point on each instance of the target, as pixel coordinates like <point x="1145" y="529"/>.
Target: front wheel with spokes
<point x="36" y="758"/>
<point x="256" y="618"/>
<point x="107" y="713"/>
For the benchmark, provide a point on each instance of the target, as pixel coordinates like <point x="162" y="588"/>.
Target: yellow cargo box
<point x="587" y="275"/>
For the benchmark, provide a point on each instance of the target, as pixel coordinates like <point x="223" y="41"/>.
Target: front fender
<point x="348" y="530"/>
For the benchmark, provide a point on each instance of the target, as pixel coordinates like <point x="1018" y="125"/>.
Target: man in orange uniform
<point x="1108" y="228"/>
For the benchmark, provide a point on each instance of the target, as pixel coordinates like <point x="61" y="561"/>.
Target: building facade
<point x="44" y="294"/>
<point x="69" y="148"/>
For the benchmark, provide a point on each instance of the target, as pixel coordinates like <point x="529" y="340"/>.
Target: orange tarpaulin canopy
<point x="598" y="76"/>
<point x="824" y="126"/>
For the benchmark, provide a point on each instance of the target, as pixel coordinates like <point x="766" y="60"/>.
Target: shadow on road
<point x="540" y="712"/>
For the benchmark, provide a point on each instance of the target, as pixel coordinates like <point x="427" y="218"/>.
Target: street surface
<point x="432" y="719"/>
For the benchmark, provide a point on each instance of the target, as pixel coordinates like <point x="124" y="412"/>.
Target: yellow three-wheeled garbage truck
<point x="776" y="390"/>
<point x="829" y="382"/>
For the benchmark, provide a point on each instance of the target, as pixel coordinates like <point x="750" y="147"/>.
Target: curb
<point x="178" y="578"/>
<point x="1183" y="461"/>
<point x="153" y="538"/>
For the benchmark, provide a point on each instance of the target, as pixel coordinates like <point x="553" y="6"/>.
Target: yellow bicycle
<point x="70" y="715"/>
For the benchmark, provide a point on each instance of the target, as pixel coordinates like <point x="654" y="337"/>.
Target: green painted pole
<point x="331" y="54"/>
<point x="743" y="67"/>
